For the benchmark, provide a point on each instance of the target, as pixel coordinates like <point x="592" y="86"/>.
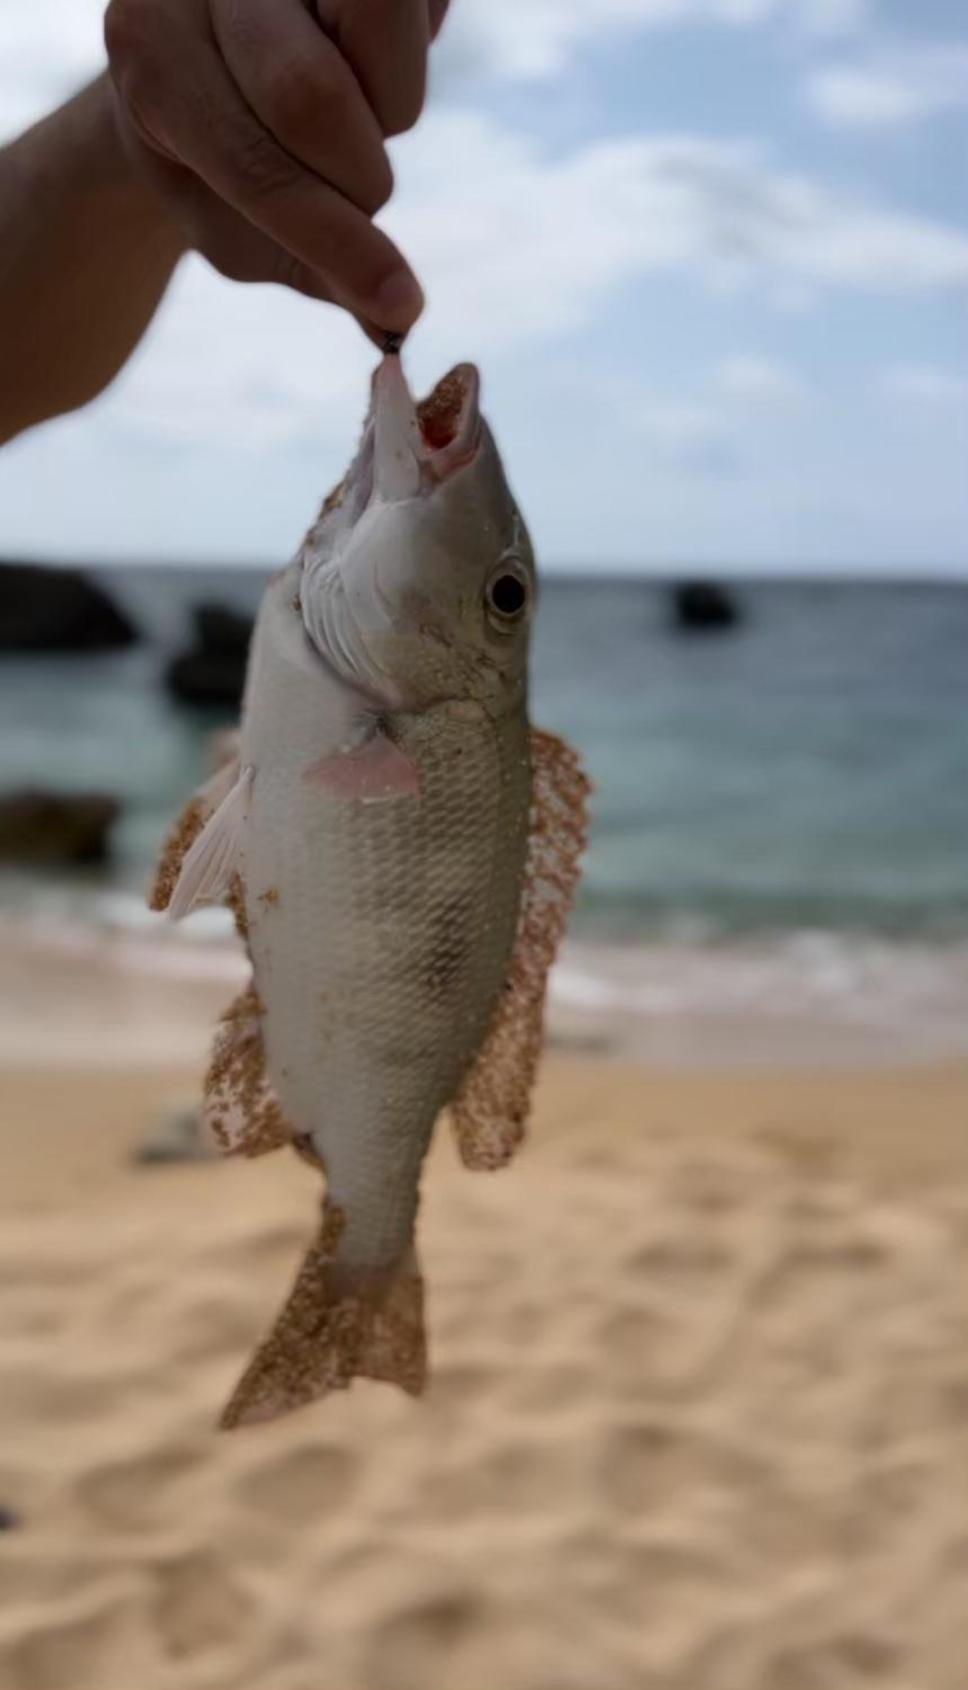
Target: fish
<point x="400" y="849"/>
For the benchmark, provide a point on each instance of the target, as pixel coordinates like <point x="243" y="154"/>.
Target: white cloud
<point x="834" y="17"/>
<point x="517" y="247"/>
<point x="48" y="47"/>
<point x="532" y="39"/>
<point x="522" y="243"/>
<point x="891" y="86"/>
<point x="759" y="381"/>
<point x="711" y="427"/>
<point x="924" y="384"/>
<point x="691" y="434"/>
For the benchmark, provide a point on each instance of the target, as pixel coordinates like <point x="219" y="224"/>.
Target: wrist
<point x="142" y="199"/>
<point x="83" y="138"/>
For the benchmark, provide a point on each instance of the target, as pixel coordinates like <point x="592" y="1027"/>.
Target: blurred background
<point x="711" y="256"/>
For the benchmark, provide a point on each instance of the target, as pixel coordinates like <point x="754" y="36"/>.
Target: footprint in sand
<point x="213" y="1326"/>
<point x="198" y="1605"/>
<point x="455" y="1387"/>
<point x="514" y="1478"/>
<point x="67" y="1653"/>
<point x="429" y="1629"/>
<point x="558" y="1388"/>
<point x="642" y="1467"/>
<point x="303" y="1485"/>
<point x="136" y="1494"/>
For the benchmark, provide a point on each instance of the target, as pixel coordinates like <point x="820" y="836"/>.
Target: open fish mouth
<point x="354" y="572"/>
<point x="417" y="446"/>
<point x="450" y="418"/>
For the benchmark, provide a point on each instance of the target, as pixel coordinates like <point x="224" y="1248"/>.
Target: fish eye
<point x="506" y="594"/>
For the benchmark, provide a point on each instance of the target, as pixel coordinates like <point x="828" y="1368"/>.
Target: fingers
<point x="303" y="91"/>
<point x="233" y="245"/>
<point x="438" y="12"/>
<point x="211" y="131"/>
<point x="385" y="42"/>
<point x="267" y="124"/>
<point x="229" y="241"/>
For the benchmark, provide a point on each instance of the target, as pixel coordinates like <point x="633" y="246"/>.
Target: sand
<point x="698" y="1418"/>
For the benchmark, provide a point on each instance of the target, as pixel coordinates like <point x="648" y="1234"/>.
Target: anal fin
<point x="240" y="1108"/>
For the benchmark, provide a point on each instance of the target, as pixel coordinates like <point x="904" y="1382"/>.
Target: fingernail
<point x="398" y="301"/>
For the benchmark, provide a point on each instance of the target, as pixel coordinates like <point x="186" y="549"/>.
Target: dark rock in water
<point x="212" y="670"/>
<point x="56" y="828"/>
<point x="704" y="605"/>
<point x="58" y="610"/>
<point x="219" y="628"/>
<point x="9" y="1521"/>
<point x="199" y="677"/>
<point x="178" y="1136"/>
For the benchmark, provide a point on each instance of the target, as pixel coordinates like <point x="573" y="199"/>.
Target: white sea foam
<point x="822" y="994"/>
<point x="803" y="997"/>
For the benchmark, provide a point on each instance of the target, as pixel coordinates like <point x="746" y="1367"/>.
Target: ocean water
<point x="807" y="771"/>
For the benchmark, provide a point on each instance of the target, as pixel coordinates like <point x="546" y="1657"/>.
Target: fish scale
<point x="364" y="1046"/>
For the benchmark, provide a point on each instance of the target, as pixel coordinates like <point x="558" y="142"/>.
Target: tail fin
<point x="337" y="1325"/>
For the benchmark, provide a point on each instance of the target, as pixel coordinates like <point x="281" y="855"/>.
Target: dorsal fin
<point x="491" y="1108"/>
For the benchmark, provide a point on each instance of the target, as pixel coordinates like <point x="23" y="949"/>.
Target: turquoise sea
<point x="805" y="771"/>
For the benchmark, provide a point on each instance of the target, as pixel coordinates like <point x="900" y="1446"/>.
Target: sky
<point x="711" y="257"/>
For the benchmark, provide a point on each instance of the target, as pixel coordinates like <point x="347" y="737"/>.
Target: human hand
<point x="264" y="122"/>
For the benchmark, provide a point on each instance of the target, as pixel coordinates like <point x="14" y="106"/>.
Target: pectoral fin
<point x="186" y="830"/>
<point x="216" y="854"/>
<point x="491" y="1108"/>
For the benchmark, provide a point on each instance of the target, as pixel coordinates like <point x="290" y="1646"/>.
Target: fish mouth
<point x="450" y="421"/>
<point x="418" y="446"/>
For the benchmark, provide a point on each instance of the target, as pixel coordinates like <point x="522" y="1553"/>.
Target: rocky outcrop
<point x="704" y="606"/>
<point x="50" y="610"/>
<point x="177" y="1136"/>
<point x="53" y="829"/>
<point x="212" y="670"/>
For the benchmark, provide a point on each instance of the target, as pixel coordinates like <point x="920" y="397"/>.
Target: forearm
<point x="86" y="252"/>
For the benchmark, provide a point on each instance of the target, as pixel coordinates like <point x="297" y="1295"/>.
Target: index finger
<point x="301" y="89"/>
<point x="214" y="133"/>
<point x="385" y="42"/>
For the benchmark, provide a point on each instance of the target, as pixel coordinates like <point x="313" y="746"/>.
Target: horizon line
<point x="951" y="573"/>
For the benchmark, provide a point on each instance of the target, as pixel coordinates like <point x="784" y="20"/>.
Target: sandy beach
<point x="698" y="1417"/>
